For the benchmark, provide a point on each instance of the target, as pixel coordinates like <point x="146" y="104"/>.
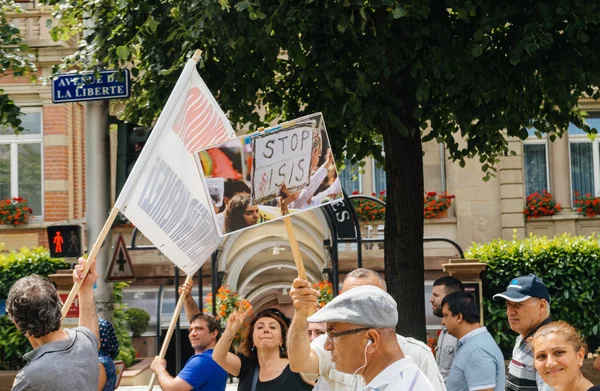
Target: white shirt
<point x="334" y="189"/>
<point x="419" y="353"/>
<point x="315" y="181"/>
<point x="402" y="375"/>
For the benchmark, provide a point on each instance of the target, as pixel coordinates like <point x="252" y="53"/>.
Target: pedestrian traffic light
<point x="130" y="142"/>
<point x="135" y="142"/>
<point x="64" y="241"/>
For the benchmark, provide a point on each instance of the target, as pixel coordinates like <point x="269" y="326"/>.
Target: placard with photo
<point x="291" y="169"/>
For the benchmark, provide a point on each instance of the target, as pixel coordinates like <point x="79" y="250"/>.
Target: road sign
<point x="2" y="307"/>
<point x="120" y="268"/>
<point x="64" y="241"/>
<point x="76" y="87"/>
<point x="74" y="308"/>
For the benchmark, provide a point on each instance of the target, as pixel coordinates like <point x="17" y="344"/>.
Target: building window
<point x="585" y="159"/>
<point x="535" y="163"/>
<point x="379" y="178"/>
<point x="21" y="161"/>
<point x="350" y="177"/>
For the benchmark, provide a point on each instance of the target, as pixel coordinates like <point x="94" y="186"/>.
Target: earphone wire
<point x="365" y="364"/>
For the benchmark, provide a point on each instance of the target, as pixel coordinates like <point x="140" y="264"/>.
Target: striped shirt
<point x="402" y="375"/>
<point x="522" y="375"/>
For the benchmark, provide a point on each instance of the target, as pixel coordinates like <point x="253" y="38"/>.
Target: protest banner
<point x="164" y="196"/>
<point x="292" y="161"/>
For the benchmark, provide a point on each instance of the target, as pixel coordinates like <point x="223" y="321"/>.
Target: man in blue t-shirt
<point x="478" y="363"/>
<point x="200" y="373"/>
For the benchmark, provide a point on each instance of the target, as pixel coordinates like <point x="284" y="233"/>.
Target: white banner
<point x="163" y="196"/>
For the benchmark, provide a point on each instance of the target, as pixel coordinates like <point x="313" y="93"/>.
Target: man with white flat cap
<point x="362" y="340"/>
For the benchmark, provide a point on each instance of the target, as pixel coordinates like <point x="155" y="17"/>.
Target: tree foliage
<point x="14" y="59"/>
<point x="466" y="73"/>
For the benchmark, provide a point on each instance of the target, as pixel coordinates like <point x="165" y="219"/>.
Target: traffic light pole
<point x="97" y="151"/>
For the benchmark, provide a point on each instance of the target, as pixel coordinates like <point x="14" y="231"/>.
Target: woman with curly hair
<point x="262" y="364"/>
<point x="240" y="213"/>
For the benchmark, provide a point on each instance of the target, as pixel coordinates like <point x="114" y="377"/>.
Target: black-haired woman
<point x="262" y="363"/>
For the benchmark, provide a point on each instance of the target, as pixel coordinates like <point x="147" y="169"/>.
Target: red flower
<point x="538" y="205"/>
<point x="588" y="205"/>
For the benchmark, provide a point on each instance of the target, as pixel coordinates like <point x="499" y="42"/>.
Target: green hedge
<point x="13" y="266"/>
<point x="568" y="265"/>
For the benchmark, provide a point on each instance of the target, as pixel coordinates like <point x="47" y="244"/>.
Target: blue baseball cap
<point x="523" y="288"/>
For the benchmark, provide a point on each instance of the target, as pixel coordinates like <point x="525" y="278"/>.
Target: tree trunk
<point x="404" y="266"/>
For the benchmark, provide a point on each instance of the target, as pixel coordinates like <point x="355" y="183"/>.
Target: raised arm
<point x="166" y="381"/>
<point x="189" y="304"/>
<point x="226" y="360"/>
<point x="88" y="317"/>
<point x="302" y="357"/>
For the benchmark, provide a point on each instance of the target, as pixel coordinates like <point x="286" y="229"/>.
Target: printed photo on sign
<point x="288" y="168"/>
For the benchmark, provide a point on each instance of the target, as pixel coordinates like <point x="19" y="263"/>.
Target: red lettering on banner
<point x="74" y="309"/>
<point x="198" y="123"/>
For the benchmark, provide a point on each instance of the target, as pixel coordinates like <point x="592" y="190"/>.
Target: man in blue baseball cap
<point x="528" y="309"/>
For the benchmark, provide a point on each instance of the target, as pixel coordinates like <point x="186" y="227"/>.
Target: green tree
<point x="14" y="59"/>
<point x="476" y="71"/>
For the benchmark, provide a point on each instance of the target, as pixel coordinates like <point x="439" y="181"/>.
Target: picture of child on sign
<point x="291" y="169"/>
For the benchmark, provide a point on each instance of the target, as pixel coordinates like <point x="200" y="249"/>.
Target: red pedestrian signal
<point x="64" y="241"/>
<point x="58" y="242"/>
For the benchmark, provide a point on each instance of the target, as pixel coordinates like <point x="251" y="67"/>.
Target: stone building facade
<point x="46" y="163"/>
<point x="258" y="263"/>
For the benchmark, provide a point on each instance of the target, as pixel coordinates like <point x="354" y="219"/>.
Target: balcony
<point x="32" y="24"/>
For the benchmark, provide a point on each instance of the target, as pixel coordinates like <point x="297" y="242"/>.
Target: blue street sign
<point x="2" y="307"/>
<point x="76" y="87"/>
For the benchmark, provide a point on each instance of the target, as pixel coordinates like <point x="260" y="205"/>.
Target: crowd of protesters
<point x="349" y="344"/>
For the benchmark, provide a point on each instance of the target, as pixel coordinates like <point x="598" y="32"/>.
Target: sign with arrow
<point x="120" y="268"/>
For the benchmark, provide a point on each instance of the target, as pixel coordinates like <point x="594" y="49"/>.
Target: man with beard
<point x="446" y="343"/>
<point x="200" y="373"/>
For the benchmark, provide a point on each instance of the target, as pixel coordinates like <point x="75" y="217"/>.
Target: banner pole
<point x="165" y="344"/>
<point x="197" y="54"/>
<point x="295" y="248"/>
<point x="95" y="249"/>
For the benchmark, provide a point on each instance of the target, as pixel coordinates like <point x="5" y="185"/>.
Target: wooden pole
<point x="165" y="344"/>
<point x="295" y="248"/>
<point x="92" y="255"/>
<point x="197" y="54"/>
<point x="289" y="227"/>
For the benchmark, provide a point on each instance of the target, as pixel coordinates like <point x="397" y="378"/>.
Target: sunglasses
<point x="277" y="313"/>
